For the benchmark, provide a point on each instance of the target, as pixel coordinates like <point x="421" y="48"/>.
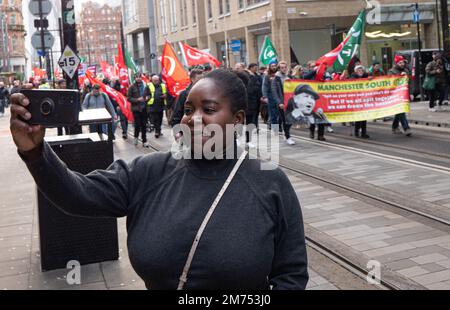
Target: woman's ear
<point x="239" y="117"/>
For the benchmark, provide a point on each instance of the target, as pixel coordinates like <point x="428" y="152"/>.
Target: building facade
<point x="98" y="32"/>
<point x="139" y="31"/>
<point x="12" y="42"/>
<point x="304" y="29"/>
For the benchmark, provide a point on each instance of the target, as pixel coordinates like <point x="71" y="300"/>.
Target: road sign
<point x="41" y="23"/>
<point x="34" y="7"/>
<point x="36" y="40"/>
<point x="416" y="16"/>
<point x="235" y="45"/>
<point x="69" y="61"/>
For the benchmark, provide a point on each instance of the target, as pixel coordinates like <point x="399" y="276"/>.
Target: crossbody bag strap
<point x="187" y="266"/>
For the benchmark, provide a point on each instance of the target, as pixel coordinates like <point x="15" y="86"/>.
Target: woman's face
<point x="206" y="105"/>
<point x="305" y="102"/>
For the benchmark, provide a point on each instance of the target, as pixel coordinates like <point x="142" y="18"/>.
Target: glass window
<point x="173" y="14"/>
<point x="194" y="12"/>
<point x="185" y="12"/>
<point x="227" y="6"/>
<point x="162" y="7"/>
<point x="12" y="19"/>
<point x="15" y="43"/>
<point x="210" y="15"/>
<point x="220" y="7"/>
<point x="241" y="4"/>
<point x="129" y="13"/>
<point x="182" y="14"/>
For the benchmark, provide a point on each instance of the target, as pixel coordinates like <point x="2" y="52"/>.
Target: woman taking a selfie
<point x="191" y="223"/>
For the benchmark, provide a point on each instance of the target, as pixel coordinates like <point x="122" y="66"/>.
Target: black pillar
<point x="445" y="27"/>
<point x="69" y="35"/>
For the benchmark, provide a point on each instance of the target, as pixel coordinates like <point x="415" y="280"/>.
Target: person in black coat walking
<point x="4" y="98"/>
<point x="254" y="94"/>
<point x="360" y="73"/>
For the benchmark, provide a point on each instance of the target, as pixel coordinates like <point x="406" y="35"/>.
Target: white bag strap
<point x="187" y="266"/>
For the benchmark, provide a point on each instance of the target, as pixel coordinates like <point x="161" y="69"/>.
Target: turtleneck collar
<point x="213" y="168"/>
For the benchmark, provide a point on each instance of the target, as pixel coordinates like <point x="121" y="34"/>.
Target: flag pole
<point x="183" y="54"/>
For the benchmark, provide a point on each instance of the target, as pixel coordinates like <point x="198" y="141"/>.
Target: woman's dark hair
<point x="232" y="87"/>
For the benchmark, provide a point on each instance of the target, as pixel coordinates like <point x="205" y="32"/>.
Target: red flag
<point x="39" y="73"/>
<point x="107" y="69"/>
<point x="145" y="80"/>
<point x="320" y="73"/>
<point x="173" y="73"/>
<point x="331" y="56"/>
<point x="123" y="69"/>
<point x="194" y="56"/>
<point x="121" y="100"/>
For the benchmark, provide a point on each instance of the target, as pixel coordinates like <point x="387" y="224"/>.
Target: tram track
<point x="379" y="155"/>
<point x="437" y="137"/>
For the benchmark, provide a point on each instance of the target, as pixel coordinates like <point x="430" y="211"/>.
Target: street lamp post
<point x="417" y="20"/>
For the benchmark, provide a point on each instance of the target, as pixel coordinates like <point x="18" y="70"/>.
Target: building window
<point x="173" y="14"/>
<point x="185" y="12"/>
<point x="162" y="8"/>
<point x="241" y="4"/>
<point x="227" y="6"/>
<point x="253" y="2"/>
<point x="129" y="14"/>
<point x="15" y="43"/>
<point x="12" y="19"/>
<point x="220" y="7"/>
<point x="11" y="2"/>
<point x="210" y="15"/>
<point x="183" y="23"/>
<point x="194" y="12"/>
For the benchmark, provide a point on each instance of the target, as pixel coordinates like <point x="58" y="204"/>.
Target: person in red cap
<point x="400" y="69"/>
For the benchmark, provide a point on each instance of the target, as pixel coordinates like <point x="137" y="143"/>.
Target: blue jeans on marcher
<point x="400" y="118"/>
<point x="273" y="112"/>
<point x="103" y="129"/>
<point x="123" y="122"/>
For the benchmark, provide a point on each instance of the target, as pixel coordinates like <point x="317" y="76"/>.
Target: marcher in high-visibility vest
<point x="156" y="104"/>
<point x="44" y="84"/>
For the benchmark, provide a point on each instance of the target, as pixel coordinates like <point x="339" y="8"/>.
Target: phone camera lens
<point x="46" y="107"/>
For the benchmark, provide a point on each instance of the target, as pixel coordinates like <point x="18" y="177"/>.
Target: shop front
<point x="398" y="32"/>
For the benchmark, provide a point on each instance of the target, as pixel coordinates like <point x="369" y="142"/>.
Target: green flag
<point x="129" y="62"/>
<point x="268" y="52"/>
<point x="352" y="46"/>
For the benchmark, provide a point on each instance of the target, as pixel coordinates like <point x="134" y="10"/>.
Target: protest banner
<point x="345" y="101"/>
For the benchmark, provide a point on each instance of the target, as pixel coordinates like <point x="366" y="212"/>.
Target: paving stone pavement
<point x="402" y="178"/>
<point x="419" y="113"/>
